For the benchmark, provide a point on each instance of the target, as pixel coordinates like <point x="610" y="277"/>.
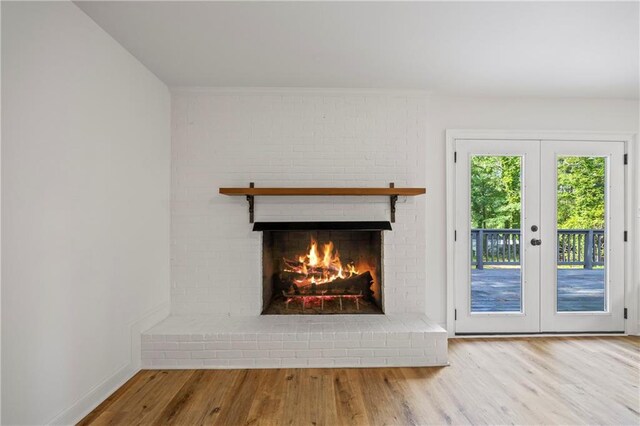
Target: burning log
<point x="352" y="285"/>
<point x="292" y="264"/>
<point x="295" y="266"/>
<point x="322" y="273"/>
<point x="291" y="276"/>
<point x="356" y="284"/>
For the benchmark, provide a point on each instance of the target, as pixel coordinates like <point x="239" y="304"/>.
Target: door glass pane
<point x="581" y="234"/>
<point x="496" y="207"/>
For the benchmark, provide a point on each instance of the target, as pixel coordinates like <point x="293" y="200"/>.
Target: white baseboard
<point x="535" y="336"/>
<point x="86" y="404"/>
<point x="101" y="391"/>
<point x="147" y="321"/>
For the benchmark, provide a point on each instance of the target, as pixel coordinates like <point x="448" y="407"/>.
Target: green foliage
<point x="581" y="188"/>
<point x="495" y="192"/>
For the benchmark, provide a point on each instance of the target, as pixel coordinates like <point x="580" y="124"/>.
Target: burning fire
<point x="319" y="268"/>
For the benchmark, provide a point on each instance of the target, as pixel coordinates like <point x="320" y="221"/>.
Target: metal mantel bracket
<point x="250" y="199"/>
<point x="393" y="200"/>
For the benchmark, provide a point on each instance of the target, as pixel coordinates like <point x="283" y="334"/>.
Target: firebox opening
<point x="322" y="271"/>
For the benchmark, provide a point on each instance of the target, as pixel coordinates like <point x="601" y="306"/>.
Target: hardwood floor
<point x="557" y="380"/>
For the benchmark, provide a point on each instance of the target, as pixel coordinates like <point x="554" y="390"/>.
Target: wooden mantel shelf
<point x="322" y="191"/>
<point x="392" y="192"/>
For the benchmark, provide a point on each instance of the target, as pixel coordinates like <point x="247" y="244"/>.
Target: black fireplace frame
<point x="349" y="226"/>
<point x="322" y="226"/>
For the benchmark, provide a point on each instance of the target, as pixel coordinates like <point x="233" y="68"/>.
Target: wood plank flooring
<point x="556" y="380"/>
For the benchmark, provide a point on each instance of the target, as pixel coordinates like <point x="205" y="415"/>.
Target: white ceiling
<point x="572" y="49"/>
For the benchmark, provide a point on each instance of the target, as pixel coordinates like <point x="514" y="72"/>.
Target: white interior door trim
<point x="632" y="206"/>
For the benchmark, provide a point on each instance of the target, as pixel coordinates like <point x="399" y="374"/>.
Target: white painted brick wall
<point x="257" y="342"/>
<point x="289" y="139"/>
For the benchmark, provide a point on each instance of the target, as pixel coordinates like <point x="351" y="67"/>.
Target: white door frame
<point x="527" y="318"/>
<point x="632" y="207"/>
<point x="611" y="317"/>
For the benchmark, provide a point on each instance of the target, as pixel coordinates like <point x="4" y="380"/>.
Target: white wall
<point x="636" y="240"/>
<point x="330" y="138"/>
<point x="85" y="176"/>
<point x="0" y="221"/>
<point x="85" y="218"/>
<point x="508" y="114"/>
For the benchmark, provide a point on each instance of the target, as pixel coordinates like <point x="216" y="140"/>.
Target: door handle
<point x="535" y="242"/>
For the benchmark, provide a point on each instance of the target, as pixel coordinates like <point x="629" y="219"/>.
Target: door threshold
<point x="544" y="334"/>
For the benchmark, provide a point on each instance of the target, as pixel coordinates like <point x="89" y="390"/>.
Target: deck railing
<point x="581" y="247"/>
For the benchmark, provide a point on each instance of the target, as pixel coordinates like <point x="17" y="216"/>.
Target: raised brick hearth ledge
<point x="274" y="341"/>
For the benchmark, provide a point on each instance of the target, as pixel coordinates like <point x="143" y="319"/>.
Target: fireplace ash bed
<point x="322" y="267"/>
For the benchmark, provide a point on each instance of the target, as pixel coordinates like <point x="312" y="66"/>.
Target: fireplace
<point x="322" y="267"/>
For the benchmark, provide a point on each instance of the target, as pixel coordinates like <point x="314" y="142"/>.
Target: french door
<point x="539" y="236"/>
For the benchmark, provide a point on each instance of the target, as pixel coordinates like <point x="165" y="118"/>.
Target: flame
<point x="352" y="269"/>
<point x="327" y="250"/>
<point x="321" y="264"/>
<point x="319" y="268"/>
<point x="313" y="254"/>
